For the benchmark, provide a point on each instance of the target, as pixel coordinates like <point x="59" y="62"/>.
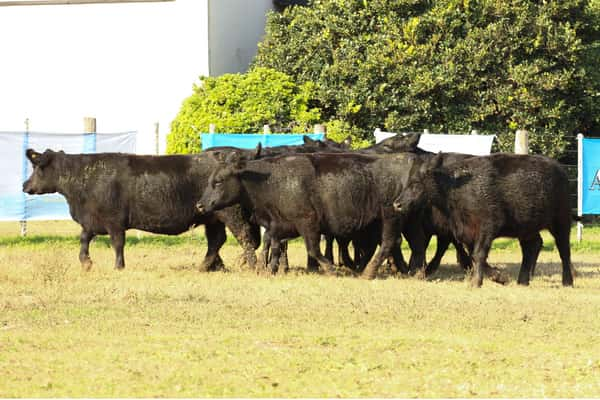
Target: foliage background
<point x="446" y="65"/>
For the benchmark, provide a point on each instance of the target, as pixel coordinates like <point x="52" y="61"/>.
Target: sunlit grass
<point x="161" y="328"/>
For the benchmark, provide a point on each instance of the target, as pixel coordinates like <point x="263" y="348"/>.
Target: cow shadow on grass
<point x="453" y="272"/>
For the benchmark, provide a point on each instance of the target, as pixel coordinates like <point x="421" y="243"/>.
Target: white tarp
<point x="15" y="168"/>
<point x="477" y="145"/>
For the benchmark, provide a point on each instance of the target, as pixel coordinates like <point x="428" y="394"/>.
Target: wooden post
<point x="426" y="131"/>
<point x="522" y="142"/>
<point x="157" y="138"/>
<point x="320" y="128"/>
<point x="474" y="132"/>
<point x="211" y="128"/>
<point x="89" y="125"/>
<point x="266" y="129"/>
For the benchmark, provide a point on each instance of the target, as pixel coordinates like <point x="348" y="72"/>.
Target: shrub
<point x="243" y="103"/>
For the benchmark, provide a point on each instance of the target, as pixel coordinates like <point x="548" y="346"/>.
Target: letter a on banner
<point x="596" y="181"/>
<point x="589" y="177"/>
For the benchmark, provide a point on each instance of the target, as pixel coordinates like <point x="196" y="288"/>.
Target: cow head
<point x="414" y="195"/>
<point x="402" y="142"/>
<point x="44" y="178"/>
<point x="224" y="184"/>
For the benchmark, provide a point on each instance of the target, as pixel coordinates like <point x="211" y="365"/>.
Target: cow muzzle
<point x="397" y="206"/>
<point x="28" y="189"/>
<point x="200" y="207"/>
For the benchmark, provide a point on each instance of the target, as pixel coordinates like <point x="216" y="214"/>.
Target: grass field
<point x="161" y="328"/>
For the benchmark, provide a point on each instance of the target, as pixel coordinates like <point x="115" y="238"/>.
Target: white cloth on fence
<point x="477" y="145"/>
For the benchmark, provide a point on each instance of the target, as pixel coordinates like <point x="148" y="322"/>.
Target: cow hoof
<point x="86" y="265"/>
<point x="476" y="283"/>
<point x="367" y="276"/>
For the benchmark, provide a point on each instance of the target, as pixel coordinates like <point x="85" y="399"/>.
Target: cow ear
<point x="218" y="156"/>
<point x="437" y="161"/>
<point x="237" y="162"/>
<point x="258" y="151"/>
<point x="414" y="140"/>
<point x="33" y="156"/>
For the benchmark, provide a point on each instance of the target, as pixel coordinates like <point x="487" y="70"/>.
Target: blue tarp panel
<point x="590" y="188"/>
<point x="251" y="140"/>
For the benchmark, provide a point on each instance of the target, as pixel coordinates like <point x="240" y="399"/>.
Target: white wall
<point x="128" y="65"/>
<point x="235" y="28"/>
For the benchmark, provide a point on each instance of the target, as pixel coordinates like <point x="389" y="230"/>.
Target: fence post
<point x="426" y="131"/>
<point x="522" y="142"/>
<point x="266" y="129"/>
<point x="24" y="222"/>
<point x="211" y="128"/>
<point x="474" y="132"/>
<point x="89" y="125"/>
<point x="320" y="128"/>
<point x="157" y="138"/>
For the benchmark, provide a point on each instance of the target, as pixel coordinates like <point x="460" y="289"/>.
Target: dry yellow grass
<point x="161" y="328"/>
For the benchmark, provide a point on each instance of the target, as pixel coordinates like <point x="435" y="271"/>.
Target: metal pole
<point x="579" y="186"/>
<point x="24" y="222"/>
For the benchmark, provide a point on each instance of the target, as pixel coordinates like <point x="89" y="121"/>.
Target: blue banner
<point x="251" y="140"/>
<point x="590" y="176"/>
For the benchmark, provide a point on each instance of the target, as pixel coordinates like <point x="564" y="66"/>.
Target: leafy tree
<point x="446" y="65"/>
<point x="243" y="103"/>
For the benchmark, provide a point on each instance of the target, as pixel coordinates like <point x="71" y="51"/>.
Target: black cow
<point x="341" y="194"/>
<point x="498" y="195"/>
<point x="113" y="192"/>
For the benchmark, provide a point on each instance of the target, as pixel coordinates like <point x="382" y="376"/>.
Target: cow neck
<point x="72" y="179"/>
<point x="437" y="193"/>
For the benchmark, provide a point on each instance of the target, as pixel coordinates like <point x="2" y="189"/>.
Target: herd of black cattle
<point x="370" y="197"/>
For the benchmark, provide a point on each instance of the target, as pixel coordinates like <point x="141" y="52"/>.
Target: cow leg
<point x="329" y="247"/>
<point x="84" y="250"/>
<point x="263" y="258"/>
<point x="275" y="254"/>
<point x="344" y="256"/>
<point x="389" y="237"/>
<point x="366" y="251"/>
<point x="247" y="234"/>
<point x="534" y="260"/>
<point x="530" y="248"/>
<point x="312" y="265"/>
<point x="415" y="236"/>
<point x="311" y="240"/>
<point x="480" y="253"/>
<point x="442" y="245"/>
<point x="283" y="258"/>
<point x="462" y="257"/>
<point x="215" y="237"/>
<point x="398" y="258"/>
<point x="117" y="238"/>
<point x="561" y="237"/>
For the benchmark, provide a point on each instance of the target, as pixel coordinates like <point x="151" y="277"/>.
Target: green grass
<point x="161" y="328"/>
